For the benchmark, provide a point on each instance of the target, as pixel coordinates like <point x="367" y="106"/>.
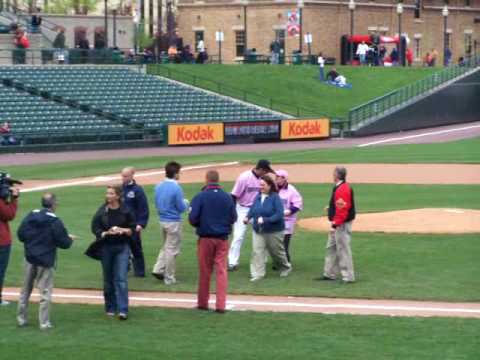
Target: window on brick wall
<point x="280" y="36"/>
<point x="467" y="3"/>
<point x="239" y="43"/>
<point x="468" y="44"/>
<point x="418" y="49"/>
<point x="199" y="36"/>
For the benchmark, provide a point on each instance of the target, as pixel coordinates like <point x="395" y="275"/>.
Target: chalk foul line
<point x="439" y="132"/>
<point x="102" y="179"/>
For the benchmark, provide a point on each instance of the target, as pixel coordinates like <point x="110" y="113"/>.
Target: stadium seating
<point x="34" y="117"/>
<point x="131" y="96"/>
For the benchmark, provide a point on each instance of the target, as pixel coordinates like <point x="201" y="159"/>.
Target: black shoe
<point x="219" y="311"/>
<point x="232" y="268"/>
<point x="158" y="276"/>
<point x="275" y="268"/>
<point x="139" y="275"/>
<point x="201" y="308"/>
<point x="324" y="278"/>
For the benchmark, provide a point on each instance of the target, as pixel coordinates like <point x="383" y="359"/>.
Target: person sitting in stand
<point x="6" y="136"/>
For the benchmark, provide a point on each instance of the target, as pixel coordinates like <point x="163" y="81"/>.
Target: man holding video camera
<point x="8" y="210"/>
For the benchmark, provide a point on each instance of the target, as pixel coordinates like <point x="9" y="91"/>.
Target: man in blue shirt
<point x="170" y="205"/>
<point x="134" y="198"/>
<point x="213" y="214"/>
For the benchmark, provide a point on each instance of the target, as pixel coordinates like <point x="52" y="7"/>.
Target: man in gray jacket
<point x="41" y="232"/>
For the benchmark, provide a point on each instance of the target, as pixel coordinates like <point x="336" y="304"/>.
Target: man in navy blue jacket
<point x="41" y="232"/>
<point x="135" y="199"/>
<point x="213" y="214"/>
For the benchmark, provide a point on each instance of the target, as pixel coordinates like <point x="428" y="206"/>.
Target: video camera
<point x="6" y="182"/>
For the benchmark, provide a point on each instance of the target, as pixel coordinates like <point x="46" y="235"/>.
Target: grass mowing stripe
<point x="463" y="151"/>
<point x="398" y="266"/>
<point x="83" y="332"/>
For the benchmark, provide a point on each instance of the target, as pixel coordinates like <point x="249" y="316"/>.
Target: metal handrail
<point x="400" y="97"/>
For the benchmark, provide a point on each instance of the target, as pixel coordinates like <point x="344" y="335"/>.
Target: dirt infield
<point x="418" y="221"/>
<point x="274" y="304"/>
<point x="299" y="173"/>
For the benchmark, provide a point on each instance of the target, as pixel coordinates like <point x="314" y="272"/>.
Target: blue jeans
<point x="321" y="74"/>
<point x="4" y="256"/>
<point x="115" y="283"/>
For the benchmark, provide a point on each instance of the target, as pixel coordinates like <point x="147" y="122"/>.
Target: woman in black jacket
<point x="113" y="225"/>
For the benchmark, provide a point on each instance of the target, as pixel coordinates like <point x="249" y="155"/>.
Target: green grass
<point x="299" y="85"/>
<point x="435" y="267"/>
<point x="463" y="151"/>
<point x="83" y="332"/>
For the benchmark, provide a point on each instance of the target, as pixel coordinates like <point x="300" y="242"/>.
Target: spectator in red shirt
<point x="8" y="210"/>
<point x="341" y="213"/>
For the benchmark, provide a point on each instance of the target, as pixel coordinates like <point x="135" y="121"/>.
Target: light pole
<point x="401" y="58"/>
<point x="300" y="5"/>
<point x="245" y="50"/>
<point x="351" y="7"/>
<point x="106" y="23"/>
<point x="445" y="35"/>
<point x="135" y="39"/>
<point x="114" y="29"/>
<point x="220" y="37"/>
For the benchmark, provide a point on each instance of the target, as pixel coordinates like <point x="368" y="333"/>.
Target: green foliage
<point x="78" y="7"/>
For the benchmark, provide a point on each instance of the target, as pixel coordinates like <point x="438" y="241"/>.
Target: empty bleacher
<point x="108" y="99"/>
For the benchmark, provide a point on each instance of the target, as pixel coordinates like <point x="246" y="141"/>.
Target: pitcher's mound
<point x="418" y="221"/>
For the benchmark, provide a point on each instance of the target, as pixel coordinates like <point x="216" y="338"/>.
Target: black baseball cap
<point x="264" y="165"/>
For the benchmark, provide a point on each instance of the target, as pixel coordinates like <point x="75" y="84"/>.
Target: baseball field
<point x="417" y="240"/>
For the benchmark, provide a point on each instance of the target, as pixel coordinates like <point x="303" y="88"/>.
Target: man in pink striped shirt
<point x="244" y="192"/>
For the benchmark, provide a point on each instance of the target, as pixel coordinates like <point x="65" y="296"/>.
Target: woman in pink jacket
<point x="292" y="203"/>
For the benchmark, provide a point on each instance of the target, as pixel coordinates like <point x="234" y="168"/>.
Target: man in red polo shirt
<point x="8" y="210"/>
<point x="341" y="213"/>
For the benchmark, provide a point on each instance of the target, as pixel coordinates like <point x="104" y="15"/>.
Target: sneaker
<point x="170" y="281"/>
<point x="324" y="278"/>
<point x="46" y="326"/>
<point x="284" y="273"/>
<point x="21" y="322"/>
<point x="122" y="316"/>
<point x="158" y="276"/>
<point x="110" y="314"/>
<point x="232" y="268"/>
<point x="254" y="279"/>
<point x="4" y="302"/>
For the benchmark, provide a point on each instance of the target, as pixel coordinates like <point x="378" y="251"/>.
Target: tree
<point x="79" y="7"/>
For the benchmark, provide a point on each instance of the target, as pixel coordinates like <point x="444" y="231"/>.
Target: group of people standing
<point x="261" y="197"/>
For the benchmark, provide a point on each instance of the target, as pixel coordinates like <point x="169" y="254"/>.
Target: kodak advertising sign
<point x="305" y="129"/>
<point x="192" y="134"/>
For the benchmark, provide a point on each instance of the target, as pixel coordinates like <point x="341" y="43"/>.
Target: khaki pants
<point x="172" y="236"/>
<point x="273" y="243"/>
<point x="338" y="257"/>
<point x="43" y="277"/>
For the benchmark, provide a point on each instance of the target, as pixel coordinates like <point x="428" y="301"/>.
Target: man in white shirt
<point x="362" y="51"/>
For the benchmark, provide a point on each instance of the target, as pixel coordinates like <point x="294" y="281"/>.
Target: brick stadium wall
<point x="327" y="21"/>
